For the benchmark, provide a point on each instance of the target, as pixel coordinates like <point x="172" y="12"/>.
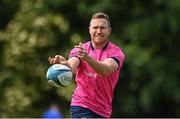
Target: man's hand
<point x="72" y="63"/>
<point x="81" y="51"/>
<point x="57" y="59"/>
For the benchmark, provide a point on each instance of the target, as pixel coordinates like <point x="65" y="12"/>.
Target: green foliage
<point x="7" y="10"/>
<point x="147" y="31"/>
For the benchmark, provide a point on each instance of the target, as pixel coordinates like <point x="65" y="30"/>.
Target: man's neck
<point x="99" y="46"/>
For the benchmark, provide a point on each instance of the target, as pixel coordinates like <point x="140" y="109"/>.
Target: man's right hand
<point x="57" y="59"/>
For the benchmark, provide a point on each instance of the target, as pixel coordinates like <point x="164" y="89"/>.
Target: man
<point x="97" y="64"/>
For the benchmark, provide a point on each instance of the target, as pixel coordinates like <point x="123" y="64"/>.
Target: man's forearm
<point x="73" y="64"/>
<point x="99" y="67"/>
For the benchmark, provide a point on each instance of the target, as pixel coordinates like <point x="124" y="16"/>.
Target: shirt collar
<point x="102" y="48"/>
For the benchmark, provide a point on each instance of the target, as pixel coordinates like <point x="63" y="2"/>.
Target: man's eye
<point x="99" y="28"/>
<point x="102" y="27"/>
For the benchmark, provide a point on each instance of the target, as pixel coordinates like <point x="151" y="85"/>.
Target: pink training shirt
<point x="94" y="91"/>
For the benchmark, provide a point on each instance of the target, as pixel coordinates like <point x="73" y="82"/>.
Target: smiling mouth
<point x="98" y="36"/>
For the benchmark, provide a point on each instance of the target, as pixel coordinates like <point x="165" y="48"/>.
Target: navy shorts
<point x="81" y="112"/>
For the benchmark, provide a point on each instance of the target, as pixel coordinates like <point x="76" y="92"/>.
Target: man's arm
<point x="72" y="62"/>
<point x="105" y="67"/>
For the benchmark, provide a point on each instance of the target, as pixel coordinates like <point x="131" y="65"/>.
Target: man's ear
<point x="110" y="29"/>
<point x="89" y="29"/>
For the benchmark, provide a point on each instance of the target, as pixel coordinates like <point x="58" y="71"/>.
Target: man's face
<point x="99" y="31"/>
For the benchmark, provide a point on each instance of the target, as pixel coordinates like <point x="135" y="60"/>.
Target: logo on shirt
<point x="93" y="75"/>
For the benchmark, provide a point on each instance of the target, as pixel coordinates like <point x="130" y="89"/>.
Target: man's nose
<point x="98" y="30"/>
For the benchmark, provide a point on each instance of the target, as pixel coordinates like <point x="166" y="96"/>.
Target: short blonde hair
<point x="101" y="15"/>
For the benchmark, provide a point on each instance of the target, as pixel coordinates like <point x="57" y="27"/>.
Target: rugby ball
<point x="59" y="75"/>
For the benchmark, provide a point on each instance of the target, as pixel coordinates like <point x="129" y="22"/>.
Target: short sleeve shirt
<point x="95" y="91"/>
